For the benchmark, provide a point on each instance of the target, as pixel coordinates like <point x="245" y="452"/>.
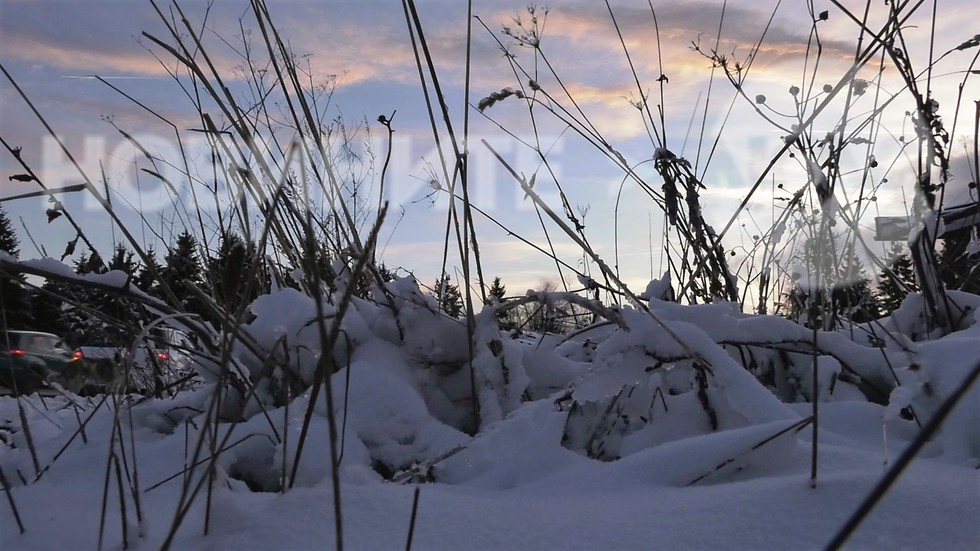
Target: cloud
<point x="363" y="44"/>
<point x="78" y="61"/>
<point x="366" y="44"/>
<point x="581" y="45"/>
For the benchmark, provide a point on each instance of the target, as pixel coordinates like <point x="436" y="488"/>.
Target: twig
<point x="878" y="492"/>
<point x="796" y="427"/>
<point x="10" y="500"/>
<point x="411" y="524"/>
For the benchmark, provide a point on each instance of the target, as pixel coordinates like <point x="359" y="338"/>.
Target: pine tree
<point x="319" y="268"/>
<point x="90" y="264"/>
<point x="450" y="299"/>
<point x="182" y="272"/>
<point x="79" y="304"/>
<point x="386" y="273"/>
<point x="228" y="271"/>
<point x="497" y="291"/>
<point x="496" y="294"/>
<point x="853" y="297"/>
<point x="8" y="239"/>
<point x="844" y="292"/>
<point x="891" y="293"/>
<point x="364" y="285"/>
<point x="47" y="307"/>
<point x="13" y="293"/>
<point x="959" y="263"/>
<point x="124" y="313"/>
<point x="123" y="259"/>
<point x="147" y="276"/>
<point x="93" y="316"/>
<point x="806" y="300"/>
<point x="232" y="272"/>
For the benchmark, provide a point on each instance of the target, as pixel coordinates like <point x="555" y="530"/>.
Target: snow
<point x="690" y="430"/>
<point x="112" y="278"/>
<point x="659" y="289"/>
<point x="51" y="266"/>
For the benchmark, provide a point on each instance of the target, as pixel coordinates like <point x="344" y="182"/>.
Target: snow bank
<point x="691" y="429"/>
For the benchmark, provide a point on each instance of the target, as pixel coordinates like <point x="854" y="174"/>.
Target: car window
<point x="17" y="340"/>
<point x="35" y="342"/>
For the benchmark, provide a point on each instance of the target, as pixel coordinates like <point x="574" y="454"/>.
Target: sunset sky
<point x="362" y="49"/>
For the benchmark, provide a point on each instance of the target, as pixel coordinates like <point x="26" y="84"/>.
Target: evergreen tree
<point x="320" y="267"/>
<point x="79" y="304"/>
<point x="366" y="283"/>
<point x="891" y="293"/>
<point x="959" y="262"/>
<point x="182" y="272"/>
<point x="844" y="292"/>
<point x="496" y="293"/>
<point x="90" y="264"/>
<point x="123" y="259"/>
<point x="386" y="273"/>
<point x="8" y="239"/>
<point x="13" y="293"/>
<point x="47" y="306"/>
<point x="146" y="276"/>
<point x="853" y="298"/>
<point x="450" y="299"/>
<point x="93" y="316"/>
<point x="124" y="313"/>
<point x="232" y="273"/>
<point x="805" y="304"/>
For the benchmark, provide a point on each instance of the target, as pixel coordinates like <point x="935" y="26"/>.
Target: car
<point x="29" y="359"/>
<point x="105" y="366"/>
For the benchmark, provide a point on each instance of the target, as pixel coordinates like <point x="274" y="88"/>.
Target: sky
<point x="361" y="52"/>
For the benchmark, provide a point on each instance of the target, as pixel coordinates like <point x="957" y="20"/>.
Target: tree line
<point x="229" y="278"/>
<point x="849" y="295"/>
<point x="213" y="284"/>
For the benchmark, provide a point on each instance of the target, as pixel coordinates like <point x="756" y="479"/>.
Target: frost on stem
<point x="494" y="97"/>
<point x="820" y="182"/>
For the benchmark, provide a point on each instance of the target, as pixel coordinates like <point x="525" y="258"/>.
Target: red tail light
<point x="163" y="356"/>
<point x="17" y="352"/>
<point x="76" y="355"/>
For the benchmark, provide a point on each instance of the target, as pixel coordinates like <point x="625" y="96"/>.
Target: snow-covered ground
<point x="667" y="427"/>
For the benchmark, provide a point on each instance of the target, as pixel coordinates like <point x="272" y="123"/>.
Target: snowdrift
<point x="661" y="425"/>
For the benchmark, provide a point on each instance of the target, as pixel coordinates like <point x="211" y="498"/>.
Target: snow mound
<point x="671" y="424"/>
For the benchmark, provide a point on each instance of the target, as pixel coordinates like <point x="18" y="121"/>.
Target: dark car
<point x="29" y="358"/>
<point x="114" y="367"/>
